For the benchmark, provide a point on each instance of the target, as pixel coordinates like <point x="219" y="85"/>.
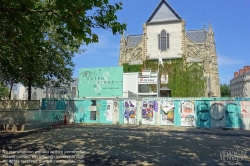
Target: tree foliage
<point x="4" y="91"/>
<point x="39" y="38"/>
<point x="225" y="90"/>
<point x="185" y="80"/>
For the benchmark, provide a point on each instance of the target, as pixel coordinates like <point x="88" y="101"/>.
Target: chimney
<point x="245" y="69"/>
<point x="241" y="71"/>
<point x="236" y="74"/>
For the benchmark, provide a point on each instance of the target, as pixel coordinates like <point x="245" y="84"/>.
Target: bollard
<point x="65" y="119"/>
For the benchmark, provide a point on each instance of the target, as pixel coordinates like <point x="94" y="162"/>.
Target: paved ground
<point x="130" y="145"/>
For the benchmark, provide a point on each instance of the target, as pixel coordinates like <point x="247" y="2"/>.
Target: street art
<point x="130" y="112"/>
<point x="245" y="112"/>
<point x="148" y="109"/>
<point x="218" y="114"/>
<point x="167" y="112"/>
<point x="187" y="113"/>
<point x="214" y="113"/>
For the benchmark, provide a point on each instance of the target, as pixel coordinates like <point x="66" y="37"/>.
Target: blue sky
<point x="230" y="20"/>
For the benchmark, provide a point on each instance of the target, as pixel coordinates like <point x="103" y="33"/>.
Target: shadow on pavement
<point x="111" y="146"/>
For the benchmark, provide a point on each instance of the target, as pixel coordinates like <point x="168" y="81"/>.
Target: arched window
<point x="163" y="41"/>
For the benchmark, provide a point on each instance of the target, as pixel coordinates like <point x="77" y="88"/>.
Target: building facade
<point x="165" y="32"/>
<point x="240" y="84"/>
<point x="20" y="92"/>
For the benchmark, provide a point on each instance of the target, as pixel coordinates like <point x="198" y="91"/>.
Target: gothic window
<point x="163" y="41"/>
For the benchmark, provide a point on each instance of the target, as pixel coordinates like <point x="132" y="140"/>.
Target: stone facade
<point x="240" y="84"/>
<point x="165" y="32"/>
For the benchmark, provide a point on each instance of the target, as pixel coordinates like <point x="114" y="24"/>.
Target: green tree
<point x="4" y="91"/>
<point x="225" y="90"/>
<point x="39" y="38"/>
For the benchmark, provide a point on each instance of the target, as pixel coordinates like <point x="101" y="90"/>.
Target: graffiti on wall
<point x="130" y="112"/>
<point x="148" y="110"/>
<point x="216" y="114"/>
<point x="187" y="113"/>
<point x="167" y="112"/>
<point x="245" y="112"/>
<point x="201" y="113"/>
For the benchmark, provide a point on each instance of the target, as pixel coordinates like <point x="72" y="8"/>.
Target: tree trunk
<point x="11" y="85"/>
<point x="29" y="90"/>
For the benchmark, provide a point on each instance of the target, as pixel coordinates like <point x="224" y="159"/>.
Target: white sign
<point x="147" y="80"/>
<point x="164" y="79"/>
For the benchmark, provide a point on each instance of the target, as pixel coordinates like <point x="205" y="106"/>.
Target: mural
<point x="187" y="113"/>
<point x="203" y="113"/>
<point x="219" y="114"/>
<point x="167" y="112"/>
<point x="148" y="110"/>
<point x="130" y="112"/>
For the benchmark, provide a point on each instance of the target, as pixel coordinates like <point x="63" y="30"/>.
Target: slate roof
<point x="75" y="82"/>
<point x="163" y="12"/>
<point x="197" y="36"/>
<point x="133" y="40"/>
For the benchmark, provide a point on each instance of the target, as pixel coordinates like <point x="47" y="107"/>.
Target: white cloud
<point x="223" y="60"/>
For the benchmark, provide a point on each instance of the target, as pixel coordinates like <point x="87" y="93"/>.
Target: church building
<point x="165" y="32"/>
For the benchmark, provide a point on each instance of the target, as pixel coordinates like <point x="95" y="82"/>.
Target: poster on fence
<point x="187" y="113"/>
<point x="130" y="112"/>
<point x="149" y="108"/>
<point x="167" y="112"/>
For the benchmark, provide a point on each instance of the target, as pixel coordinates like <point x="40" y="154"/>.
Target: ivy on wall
<point x="131" y="68"/>
<point x="185" y="80"/>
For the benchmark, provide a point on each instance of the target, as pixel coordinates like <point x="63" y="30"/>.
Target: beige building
<point x="165" y="32"/>
<point x="240" y="84"/>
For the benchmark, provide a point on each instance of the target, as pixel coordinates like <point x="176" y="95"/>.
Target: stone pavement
<point x="133" y="145"/>
<point x="217" y="131"/>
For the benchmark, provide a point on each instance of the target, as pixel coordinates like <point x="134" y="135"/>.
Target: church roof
<point x="133" y="40"/>
<point x="164" y="88"/>
<point x="197" y="36"/>
<point x="163" y="12"/>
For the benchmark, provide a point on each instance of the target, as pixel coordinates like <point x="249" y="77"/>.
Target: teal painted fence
<point x="192" y="112"/>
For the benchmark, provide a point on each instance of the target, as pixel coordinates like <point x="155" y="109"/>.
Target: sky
<point x="230" y="20"/>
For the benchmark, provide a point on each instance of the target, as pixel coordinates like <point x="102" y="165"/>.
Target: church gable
<point x="163" y="12"/>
